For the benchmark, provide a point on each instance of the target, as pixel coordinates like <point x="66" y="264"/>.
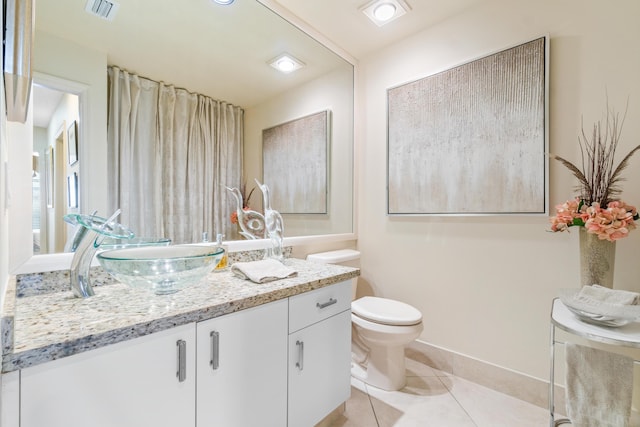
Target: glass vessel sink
<point x="114" y="243"/>
<point x="161" y="269"/>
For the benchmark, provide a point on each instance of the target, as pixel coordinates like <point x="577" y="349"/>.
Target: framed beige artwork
<point x="472" y="140"/>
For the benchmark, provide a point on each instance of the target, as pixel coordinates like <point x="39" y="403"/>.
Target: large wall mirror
<point x="219" y="51"/>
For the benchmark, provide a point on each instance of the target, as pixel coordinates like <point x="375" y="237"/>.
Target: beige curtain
<point x="171" y="154"/>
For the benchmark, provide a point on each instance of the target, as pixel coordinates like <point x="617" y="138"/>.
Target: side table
<point x="625" y="336"/>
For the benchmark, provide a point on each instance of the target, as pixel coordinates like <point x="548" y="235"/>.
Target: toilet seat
<point x="386" y="311"/>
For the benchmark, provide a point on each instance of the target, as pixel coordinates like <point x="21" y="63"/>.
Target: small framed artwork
<point x="294" y="164"/>
<point x="48" y="175"/>
<point x="72" y="190"/>
<point x="72" y="140"/>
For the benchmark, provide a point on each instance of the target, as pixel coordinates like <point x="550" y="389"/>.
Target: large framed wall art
<point x="472" y="140"/>
<point x="294" y="162"/>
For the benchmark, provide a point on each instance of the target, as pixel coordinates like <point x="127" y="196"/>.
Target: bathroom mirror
<point x="219" y="51"/>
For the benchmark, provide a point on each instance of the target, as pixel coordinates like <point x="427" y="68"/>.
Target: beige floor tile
<point x="489" y="408"/>
<point x="424" y="402"/>
<point x="436" y="398"/>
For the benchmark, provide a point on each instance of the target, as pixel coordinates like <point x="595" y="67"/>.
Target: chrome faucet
<point x="90" y="233"/>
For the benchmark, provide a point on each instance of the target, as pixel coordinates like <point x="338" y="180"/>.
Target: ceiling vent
<point x="104" y="9"/>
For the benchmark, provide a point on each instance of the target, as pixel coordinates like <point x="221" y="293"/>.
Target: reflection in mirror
<point x="54" y="183"/>
<point x="221" y="52"/>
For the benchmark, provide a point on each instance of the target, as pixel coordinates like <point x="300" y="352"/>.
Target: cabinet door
<point x="133" y="383"/>
<point x="319" y="369"/>
<point x="242" y="368"/>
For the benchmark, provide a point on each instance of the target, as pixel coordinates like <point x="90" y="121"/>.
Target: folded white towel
<point x="596" y="294"/>
<point x="599" y="387"/>
<point x="262" y="271"/>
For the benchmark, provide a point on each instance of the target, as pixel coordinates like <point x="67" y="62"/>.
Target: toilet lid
<point x="386" y="311"/>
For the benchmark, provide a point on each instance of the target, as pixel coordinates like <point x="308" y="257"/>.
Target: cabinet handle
<point x="327" y="304"/>
<point x="182" y="360"/>
<point x="300" y="362"/>
<point x="215" y="350"/>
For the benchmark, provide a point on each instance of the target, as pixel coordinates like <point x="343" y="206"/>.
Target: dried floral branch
<point x="246" y="197"/>
<point x="583" y="182"/>
<point x="599" y="181"/>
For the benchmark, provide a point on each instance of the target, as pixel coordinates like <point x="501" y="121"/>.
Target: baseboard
<point x="503" y="380"/>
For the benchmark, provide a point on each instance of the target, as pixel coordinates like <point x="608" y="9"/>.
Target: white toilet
<point x="381" y="329"/>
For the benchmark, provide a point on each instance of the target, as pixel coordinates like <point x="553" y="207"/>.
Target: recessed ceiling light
<point x="222" y="1"/>
<point x="384" y="11"/>
<point x="286" y="63"/>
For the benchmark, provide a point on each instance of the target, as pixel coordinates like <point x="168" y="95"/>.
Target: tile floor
<point x="434" y="398"/>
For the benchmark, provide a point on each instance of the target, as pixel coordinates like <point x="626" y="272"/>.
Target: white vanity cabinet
<point x="282" y="363"/>
<point x="133" y="383"/>
<point x="242" y="368"/>
<point x="319" y="353"/>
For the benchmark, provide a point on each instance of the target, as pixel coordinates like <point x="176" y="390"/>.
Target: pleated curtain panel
<point x="171" y="155"/>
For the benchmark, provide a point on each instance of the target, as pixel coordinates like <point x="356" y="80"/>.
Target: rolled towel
<point x="262" y="271"/>
<point x="596" y="294"/>
<point x="599" y="387"/>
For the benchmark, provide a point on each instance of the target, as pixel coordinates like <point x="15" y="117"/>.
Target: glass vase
<point x="597" y="260"/>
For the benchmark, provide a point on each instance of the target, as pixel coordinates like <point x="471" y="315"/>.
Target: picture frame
<point x="295" y="164"/>
<point x="72" y="142"/>
<point x="49" y="174"/>
<point x="72" y="190"/>
<point x="473" y="139"/>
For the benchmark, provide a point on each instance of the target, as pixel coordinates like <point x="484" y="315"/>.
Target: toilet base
<point x="384" y="368"/>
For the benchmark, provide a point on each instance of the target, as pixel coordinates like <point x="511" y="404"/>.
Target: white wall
<point x="321" y="94"/>
<point x="485" y="284"/>
<point x="20" y="150"/>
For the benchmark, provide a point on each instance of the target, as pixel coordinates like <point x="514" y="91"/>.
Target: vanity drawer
<point x="311" y="307"/>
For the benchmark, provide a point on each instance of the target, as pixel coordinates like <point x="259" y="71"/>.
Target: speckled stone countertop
<point x="50" y="325"/>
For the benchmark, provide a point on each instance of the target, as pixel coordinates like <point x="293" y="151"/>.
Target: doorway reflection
<point x="55" y="117"/>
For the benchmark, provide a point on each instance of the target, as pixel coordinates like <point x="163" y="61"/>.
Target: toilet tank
<point x="346" y="257"/>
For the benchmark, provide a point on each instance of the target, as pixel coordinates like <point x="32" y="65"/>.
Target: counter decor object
<point x="223" y="265"/>
<point x="274" y="225"/>
<point x="251" y="223"/>
<point x="601" y="216"/>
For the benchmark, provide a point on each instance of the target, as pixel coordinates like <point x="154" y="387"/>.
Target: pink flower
<point x="611" y="223"/>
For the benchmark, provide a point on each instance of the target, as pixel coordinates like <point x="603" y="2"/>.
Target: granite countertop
<point x="47" y="326"/>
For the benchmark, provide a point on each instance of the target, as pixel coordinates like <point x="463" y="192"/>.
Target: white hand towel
<point x="599" y="385"/>
<point x="262" y="271"/>
<point x="596" y="294"/>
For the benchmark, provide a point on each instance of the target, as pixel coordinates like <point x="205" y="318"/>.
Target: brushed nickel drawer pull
<point x="215" y="350"/>
<point x="182" y="360"/>
<point x="300" y="362"/>
<point x="327" y="304"/>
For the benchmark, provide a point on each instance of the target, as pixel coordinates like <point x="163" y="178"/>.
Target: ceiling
<point x="218" y="33"/>
<point x="215" y="50"/>
<point x="342" y="22"/>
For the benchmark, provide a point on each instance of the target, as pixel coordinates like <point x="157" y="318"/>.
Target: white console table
<point x="626" y="336"/>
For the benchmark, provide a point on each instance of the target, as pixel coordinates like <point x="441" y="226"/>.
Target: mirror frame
<point x="62" y="261"/>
